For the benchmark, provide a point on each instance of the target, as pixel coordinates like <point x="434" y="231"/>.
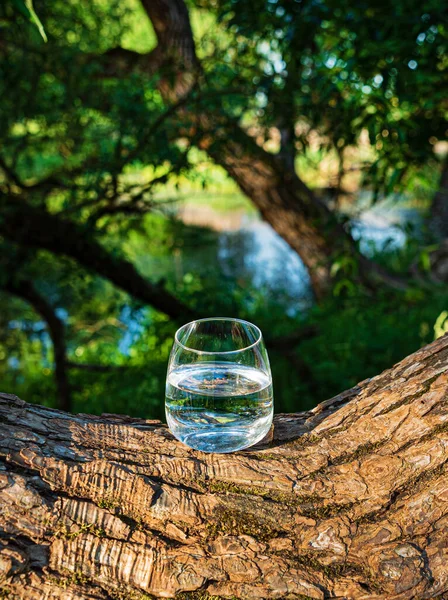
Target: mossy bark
<point x="349" y="500"/>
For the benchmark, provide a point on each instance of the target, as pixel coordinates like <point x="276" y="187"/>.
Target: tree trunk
<point x="286" y="203"/>
<point x="293" y="211"/>
<point x="26" y="290"/>
<point x="283" y="200"/>
<point x="349" y="500"/>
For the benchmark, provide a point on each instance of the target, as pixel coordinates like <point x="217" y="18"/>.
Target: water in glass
<point x="219" y="388"/>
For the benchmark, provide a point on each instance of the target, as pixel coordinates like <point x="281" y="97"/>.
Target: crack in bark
<point x="408" y="399"/>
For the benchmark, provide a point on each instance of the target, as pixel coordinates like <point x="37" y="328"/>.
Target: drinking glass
<point x="219" y="385"/>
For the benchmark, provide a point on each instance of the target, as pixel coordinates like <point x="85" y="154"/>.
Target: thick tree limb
<point x="26" y="290"/>
<point x="35" y="227"/>
<point x="282" y="198"/>
<point x="349" y="500"/>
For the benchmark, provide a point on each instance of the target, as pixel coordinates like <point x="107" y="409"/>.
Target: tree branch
<point x="35" y="227"/>
<point x="282" y="198"/>
<point x="26" y="291"/>
<point x="348" y="501"/>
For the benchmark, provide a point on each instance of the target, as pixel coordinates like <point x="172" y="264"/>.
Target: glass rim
<point x="230" y="319"/>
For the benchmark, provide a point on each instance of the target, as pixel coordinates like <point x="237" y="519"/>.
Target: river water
<point x="240" y="246"/>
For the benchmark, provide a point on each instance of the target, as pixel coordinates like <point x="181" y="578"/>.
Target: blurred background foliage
<point x="352" y="95"/>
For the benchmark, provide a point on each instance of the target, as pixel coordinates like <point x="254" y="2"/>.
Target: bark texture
<point x="349" y="500"/>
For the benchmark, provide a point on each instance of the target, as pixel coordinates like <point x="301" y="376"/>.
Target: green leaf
<point x="425" y="261"/>
<point x="344" y="285"/>
<point x="441" y="325"/>
<point x="335" y="267"/>
<point x="27" y="9"/>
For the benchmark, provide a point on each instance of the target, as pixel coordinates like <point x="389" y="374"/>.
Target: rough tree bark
<point x="349" y="500"/>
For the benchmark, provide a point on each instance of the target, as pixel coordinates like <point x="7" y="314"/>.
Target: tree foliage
<point x="340" y="69"/>
<point x="88" y="146"/>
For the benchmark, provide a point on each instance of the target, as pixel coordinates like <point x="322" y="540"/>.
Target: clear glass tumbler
<point x="219" y="385"/>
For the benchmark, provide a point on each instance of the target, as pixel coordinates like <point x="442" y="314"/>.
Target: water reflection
<point x="242" y="248"/>
<point x="384" y="227"/>
<point x="257" y="254"/>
